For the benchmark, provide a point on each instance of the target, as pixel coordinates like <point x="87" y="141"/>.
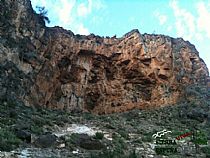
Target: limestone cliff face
<point x="52" y="67"/>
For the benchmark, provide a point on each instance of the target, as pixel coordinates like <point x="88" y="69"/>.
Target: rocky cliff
<point x="52" y="67"/>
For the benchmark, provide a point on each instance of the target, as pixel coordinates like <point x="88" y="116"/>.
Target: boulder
<point x="46" y="141"/>
<point x="24" y="135"/>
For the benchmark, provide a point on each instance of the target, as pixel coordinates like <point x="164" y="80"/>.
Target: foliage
<point x="195" y="90"/>
<point x="8" y="140"/>
<point x="124" y="134"/>
<point x="36" y="129"/>
<point x="146" y="138"/>
<point x="99" y="135"/>
<point x="133" y="154"/>
<point x="43" y="14"/>
<point x="108" y="153"/>
<point x="119" y="144"/>
<point x="206" y="150"/>
<point x="118" y="149"/>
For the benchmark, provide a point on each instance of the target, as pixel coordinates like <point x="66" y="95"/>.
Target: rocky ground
<point x="55" y="68"/>
<point x="33" y="132"/>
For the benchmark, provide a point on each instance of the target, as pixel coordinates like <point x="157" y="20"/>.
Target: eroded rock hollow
<point x="52" y="67"/>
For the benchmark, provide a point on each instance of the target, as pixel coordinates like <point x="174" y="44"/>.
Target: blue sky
<point x="189" y="19"/>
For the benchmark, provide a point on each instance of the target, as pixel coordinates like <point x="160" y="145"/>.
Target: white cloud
<point x="161" y="17"/>
<point x="98" y="4"/>
<point x="84" y="9"/>
<point x="199" y="36"/>
<point x="64" y="11"/>
<point x="169" y="28"/>
<point x="185" y="21"/>
<point x="194" y="26"/>
<point x="189" y="25"/>
<point x="39" y="3"/>
<point x="203" y="21"/>
<point x="70" y="14"/>
<point x="82" y="30"/>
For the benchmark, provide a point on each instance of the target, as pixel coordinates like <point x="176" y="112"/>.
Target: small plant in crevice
<point x="43" y="14"/>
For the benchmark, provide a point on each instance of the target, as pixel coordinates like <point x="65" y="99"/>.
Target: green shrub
<point x="105" y="154"/>
<point x="206" y="150"/>
<point x="119" y="144"/>
<point x="124" y="134"/>
<point x="99" y="135"/>
<point x="43" y="14"/>
<point x="108" y="153"/>
<point x="133" y="154"/>
<point x="36" y="129"/>
<point x="147" y="138"/>
<point x="8" y="140"/>
<point x="72" y="139"/>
